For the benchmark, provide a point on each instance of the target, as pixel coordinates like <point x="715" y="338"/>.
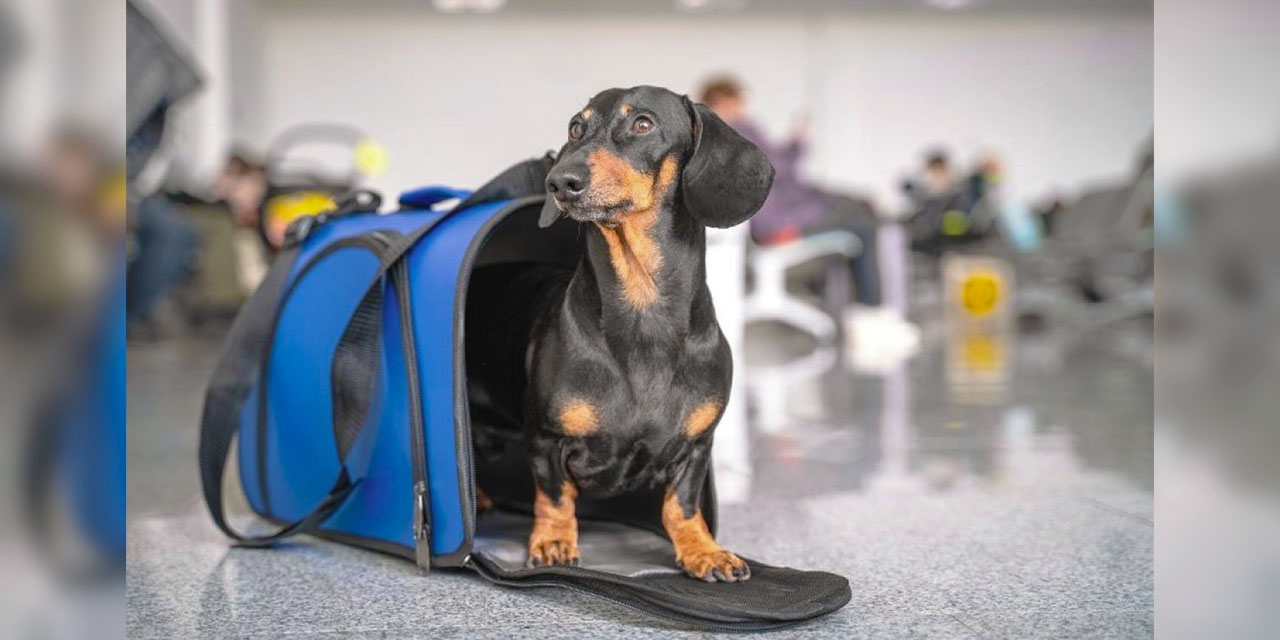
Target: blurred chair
<point x="770" y="386"/>
<point x="769" y="299"/>
<point x="1098" y="265"/>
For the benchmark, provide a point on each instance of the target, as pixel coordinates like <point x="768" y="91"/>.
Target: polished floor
<point x="996" y="485"/>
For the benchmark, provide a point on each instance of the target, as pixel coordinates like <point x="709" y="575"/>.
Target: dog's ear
<point x="726" y="178"/>
<point x="550" y="213"/>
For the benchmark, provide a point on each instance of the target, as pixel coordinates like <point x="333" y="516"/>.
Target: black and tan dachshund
<point x="627" y="370"/>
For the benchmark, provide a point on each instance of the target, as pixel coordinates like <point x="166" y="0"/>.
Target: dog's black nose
<point x="566" y="184"/>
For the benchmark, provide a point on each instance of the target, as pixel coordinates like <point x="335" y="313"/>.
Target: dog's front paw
<point x="714" y="565"/>
<point x="547" y="550"/>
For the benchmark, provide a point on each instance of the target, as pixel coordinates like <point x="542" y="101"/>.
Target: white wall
<point x="1062" y="100"/>
<point x="68" y="69"/>
<point x="457" y="98"/>
<point x="1217" y="92"/>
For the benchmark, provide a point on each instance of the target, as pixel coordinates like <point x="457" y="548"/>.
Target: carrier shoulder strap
<point x="238" y="369"/>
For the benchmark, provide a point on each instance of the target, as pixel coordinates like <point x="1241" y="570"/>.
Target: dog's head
<point x="631" y="149"/>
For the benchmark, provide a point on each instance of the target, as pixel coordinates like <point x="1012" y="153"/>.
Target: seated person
<point x="949" y="211"/>
<point x="934" y="195"/>
<point x="242" y="184"/>
<point x="983" y="184"/>
<point x="80" y="177"/>
<point x="796" y="209"/>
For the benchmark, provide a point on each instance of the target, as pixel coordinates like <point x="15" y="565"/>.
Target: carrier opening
<point x="518" y="270"/>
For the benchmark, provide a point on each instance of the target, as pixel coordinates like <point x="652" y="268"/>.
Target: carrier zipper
<point x="417" y="444"/>
<point x="421" y="527"/>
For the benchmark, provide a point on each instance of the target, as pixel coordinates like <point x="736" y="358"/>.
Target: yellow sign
<point x="981" y="351"/>
<point x="980" y="292"/>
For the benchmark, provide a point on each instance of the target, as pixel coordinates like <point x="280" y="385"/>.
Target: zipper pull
<point x="421" y="527"/>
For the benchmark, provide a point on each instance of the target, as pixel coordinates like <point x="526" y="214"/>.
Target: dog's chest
<point x="625" y="454"/>
<point x="627" y="397"/>
<point x="641" y="438"/>
<point x="644" y="427"/>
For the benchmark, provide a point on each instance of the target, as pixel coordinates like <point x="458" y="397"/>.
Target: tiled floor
<point x="989" y="489"/>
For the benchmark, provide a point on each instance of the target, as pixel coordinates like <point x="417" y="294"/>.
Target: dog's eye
<point x="576" y="129"/>
<point x="642" y="125"/>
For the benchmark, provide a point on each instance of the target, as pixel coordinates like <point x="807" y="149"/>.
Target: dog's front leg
<point x="696" y="550"/>
<point x="554" y="539"/>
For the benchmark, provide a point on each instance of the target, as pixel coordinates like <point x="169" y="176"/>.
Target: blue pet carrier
<point x="344" y="377"/>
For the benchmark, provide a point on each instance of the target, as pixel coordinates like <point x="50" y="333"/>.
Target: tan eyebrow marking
<point x="586" y="113"/>
<point x="626" y="108"/>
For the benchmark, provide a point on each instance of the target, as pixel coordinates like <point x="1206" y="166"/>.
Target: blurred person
<point x="934" y="179"/>
<point x="77" y="174"/>
<point x="74" y="471"/>
<point x="984" y="181"/>
<point x="796" y="209"/>
<point x="8" y="241"/>
<point x="9" y="53"/>
<point x="263" y="204"/>
<point x="72" y="468"/>
<point x="163" y="250"/>
<point x="60" y="225"/>
<point x="939" y="178"/>
<point x="242" y="185"/>
<point x="62" y="336"/>
<point x="158" y="76"/>
<point x="165" y="246"/>
<point x="983" y="195"/>
<point x="943" y="204"/>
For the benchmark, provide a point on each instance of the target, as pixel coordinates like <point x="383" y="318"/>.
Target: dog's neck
<point x="642" y="279"/>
